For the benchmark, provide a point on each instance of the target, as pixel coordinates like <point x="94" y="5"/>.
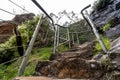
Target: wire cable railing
<point x="11" y="47"/>
<point x="7" y="11"/>
<point x="68" y="36"/>
<point x="18" y="6"/>
<point x="10" y="61"/>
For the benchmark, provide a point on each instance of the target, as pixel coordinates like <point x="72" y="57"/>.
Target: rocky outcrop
<point x="6" y="30"/>
<point x="74" y="68"/>
<point x="73" y="64"/>
<point x="79" y="63"/>
<point x="19" y="19"/>
<point x="6" y="27"/>
<point x="66" y="65"/>
<point x="109" y="14"/>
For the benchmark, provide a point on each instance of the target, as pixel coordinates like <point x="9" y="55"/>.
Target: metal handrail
<point x="61" y="26"/>
<point x="43" y="10"/>
<point x="92" y="26"/>
<point x="84" y="15"/>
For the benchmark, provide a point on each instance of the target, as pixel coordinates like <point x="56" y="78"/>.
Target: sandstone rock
<point x="32" y="78"/>
<point x="102" y="17"/>
<point x="23" y="17"/>
<point x="73" y="64"/>
<point x="6" y="30"/>
<point x="6" y="27"/>
<point x="114" y="53"/>
<point x="82" y="51"/>
<point x="75" y="68"/>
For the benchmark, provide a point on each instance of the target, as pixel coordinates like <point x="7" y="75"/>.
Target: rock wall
<point x="110" y="14"/>
<point x="107" y="14"/>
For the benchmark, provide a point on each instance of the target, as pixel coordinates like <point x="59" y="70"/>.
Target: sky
<point x="51" y="6"/>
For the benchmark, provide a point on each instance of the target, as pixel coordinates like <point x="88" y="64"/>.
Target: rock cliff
<point x="109" y="14"/>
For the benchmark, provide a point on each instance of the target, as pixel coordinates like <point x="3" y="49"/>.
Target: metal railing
<point x="89" y="21"/>
<point x="57" y="31"/>
<point x="30" y="46"/>
<point x="59" y="38"/>
<point x="16" y="59"/>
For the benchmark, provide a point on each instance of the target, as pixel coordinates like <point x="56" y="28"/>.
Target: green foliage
<point x="63" y="48"/>
<point x="100" y="4"/>
<point x="8" y="50"/>
<point x="106" y="27"/>
<point x="27" y="29"/>
<point x="98" y="47"/>
<point x="9" y="72"/>
<point x="43" y="53"/>
<point x="85" y="33"/>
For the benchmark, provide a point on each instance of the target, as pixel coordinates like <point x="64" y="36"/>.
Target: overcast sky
<point x="51" y="6"/>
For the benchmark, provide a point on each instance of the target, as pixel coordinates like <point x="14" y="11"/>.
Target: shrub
<point x="106" y="27"/>
<point x="98" y="47"/>
<point x="7" y="50"/>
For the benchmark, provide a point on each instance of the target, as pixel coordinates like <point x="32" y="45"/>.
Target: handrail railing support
<point x="90" y="23"/>
<point x="29" y="49"/>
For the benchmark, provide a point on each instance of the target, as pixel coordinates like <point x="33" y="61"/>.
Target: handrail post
<point x="30" y="46"/>
<point x="68" y="35"/>
<point x="58" y="37"/>
<point x="90" y="23"/>
<point x="97" y="34"/>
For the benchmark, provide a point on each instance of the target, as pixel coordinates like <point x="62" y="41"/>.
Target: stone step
<point x="32" y="78"/>
<point x="42" y="78"/>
